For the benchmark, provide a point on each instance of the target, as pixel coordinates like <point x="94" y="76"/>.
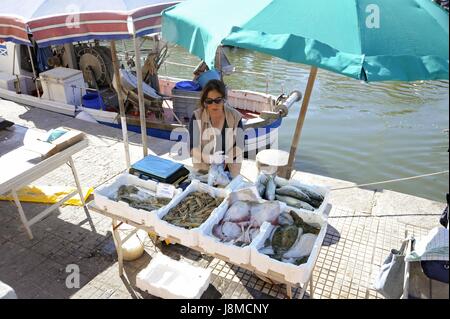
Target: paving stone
<point x="408" y="209"/>
<point x="98" y="135"/>
<point x="354" y="199"/>
<point x="45" y="120"/>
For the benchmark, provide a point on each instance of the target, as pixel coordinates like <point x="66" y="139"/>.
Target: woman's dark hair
<point x="212" y="85"/>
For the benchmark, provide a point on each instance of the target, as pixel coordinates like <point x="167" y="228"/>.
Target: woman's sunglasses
<point x="209" y="101"/>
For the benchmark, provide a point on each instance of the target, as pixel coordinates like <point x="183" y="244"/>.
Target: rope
<point x="179" y="64"/>
<point x="392" y="180"/>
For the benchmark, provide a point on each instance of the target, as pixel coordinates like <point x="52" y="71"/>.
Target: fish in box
<point x="291" y="240"/>
<point x="188" y="213"/>
<point x="193" y="210"/>
<point x="133" y="198"/>
<point x="237" y="224"/>
<point x="300" y="196"/>
<point x="140" y="198"/>
<point x="290" y="248"/>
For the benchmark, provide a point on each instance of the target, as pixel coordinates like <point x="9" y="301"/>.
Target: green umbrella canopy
<point x="370" y="40"/>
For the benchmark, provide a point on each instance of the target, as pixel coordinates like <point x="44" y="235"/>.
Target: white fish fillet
<point x="231" y="230"/>
<point x="302" y="247"/>
<point x="247" y="195"/>
<point x="267" y="250"/>
<point x="238" y="212"/>
<point x="217" y="231"/>
<point x="285" y="219"/>
<point x="267" y="212"/>
<point x="253" y="233"/>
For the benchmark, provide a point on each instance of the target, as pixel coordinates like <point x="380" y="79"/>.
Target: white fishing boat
<point x="79" y="82"/>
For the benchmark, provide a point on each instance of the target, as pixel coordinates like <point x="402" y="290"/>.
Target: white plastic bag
<point x="217" y="175"/>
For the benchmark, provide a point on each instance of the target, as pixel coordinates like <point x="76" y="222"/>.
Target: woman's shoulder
<point x="236" y="114"/>
<point x="198" y="112"/>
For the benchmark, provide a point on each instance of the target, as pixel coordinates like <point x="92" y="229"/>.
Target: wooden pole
<point x="142" y="113"/>
<point x="300" y="121"/>
<point x="34" y="71"/>
<point x="123" y="118"/>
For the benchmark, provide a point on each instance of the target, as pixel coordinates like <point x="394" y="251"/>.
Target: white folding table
<point x="19" y="167"/>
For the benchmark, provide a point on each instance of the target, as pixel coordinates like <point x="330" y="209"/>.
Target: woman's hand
<point x="235" y="169"/>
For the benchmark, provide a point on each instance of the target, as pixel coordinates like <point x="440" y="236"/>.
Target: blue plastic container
<point x="93" y="100"/>
<point x="207" y="76"/>
<point x="188" y="86"/>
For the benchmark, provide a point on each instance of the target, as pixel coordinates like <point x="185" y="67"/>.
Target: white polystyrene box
<point x="212" y="245"/>
<point x="170" y="279"/>
<point x="6" y="292"/>
<point x="186" y="237"/>
<point x="63" y="85"/>
<point x="103" y="195"/>
<point x="292" y="274"/>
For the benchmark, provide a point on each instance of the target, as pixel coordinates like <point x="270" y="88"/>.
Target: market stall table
<point x="20" y="166"/>
<point x="118" y="220"/>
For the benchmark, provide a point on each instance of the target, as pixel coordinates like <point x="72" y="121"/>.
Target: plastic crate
<point x="185" y="103"/>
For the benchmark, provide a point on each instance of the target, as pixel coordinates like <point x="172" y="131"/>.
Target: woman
<point x="216" y="127"/>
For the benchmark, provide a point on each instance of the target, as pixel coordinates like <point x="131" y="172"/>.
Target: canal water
<point x="353" y="131"/>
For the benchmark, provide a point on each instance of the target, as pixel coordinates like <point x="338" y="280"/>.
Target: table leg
<point x="77" y="181"/>
<point x="118" y="242"/>
<point x="80" y="192"/>
<point x="303" y="291"/>
<point x="289" y="291"/>
<point x="311" y="287"/>
<point x="23" y="218"/>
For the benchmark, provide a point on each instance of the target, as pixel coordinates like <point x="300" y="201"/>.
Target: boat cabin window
<point x="25" y="62"/>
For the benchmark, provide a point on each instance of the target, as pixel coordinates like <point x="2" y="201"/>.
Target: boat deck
<point x="364" y="225"/>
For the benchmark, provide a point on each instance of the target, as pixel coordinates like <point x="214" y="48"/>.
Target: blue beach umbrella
<point x="369" y="40"/>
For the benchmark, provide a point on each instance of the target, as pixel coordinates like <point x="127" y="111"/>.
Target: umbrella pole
<point x="34" y="70"/>
<point x="123" y="119"/>
<point x="142" y="113"/>
<point x="300" y="121"/>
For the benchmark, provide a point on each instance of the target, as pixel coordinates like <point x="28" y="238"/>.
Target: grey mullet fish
<point x="293" y="202"/>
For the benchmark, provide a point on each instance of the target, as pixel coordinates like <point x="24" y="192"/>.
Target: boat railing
<point x="265" y="75"/>
<point x="86" y="89"/>
<point x="82" y="90"/>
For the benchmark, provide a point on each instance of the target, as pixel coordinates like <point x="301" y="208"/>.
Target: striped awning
<point x="148" y="20"/>
<point x="57" y="22"/>
<point x="13" y="29"/>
